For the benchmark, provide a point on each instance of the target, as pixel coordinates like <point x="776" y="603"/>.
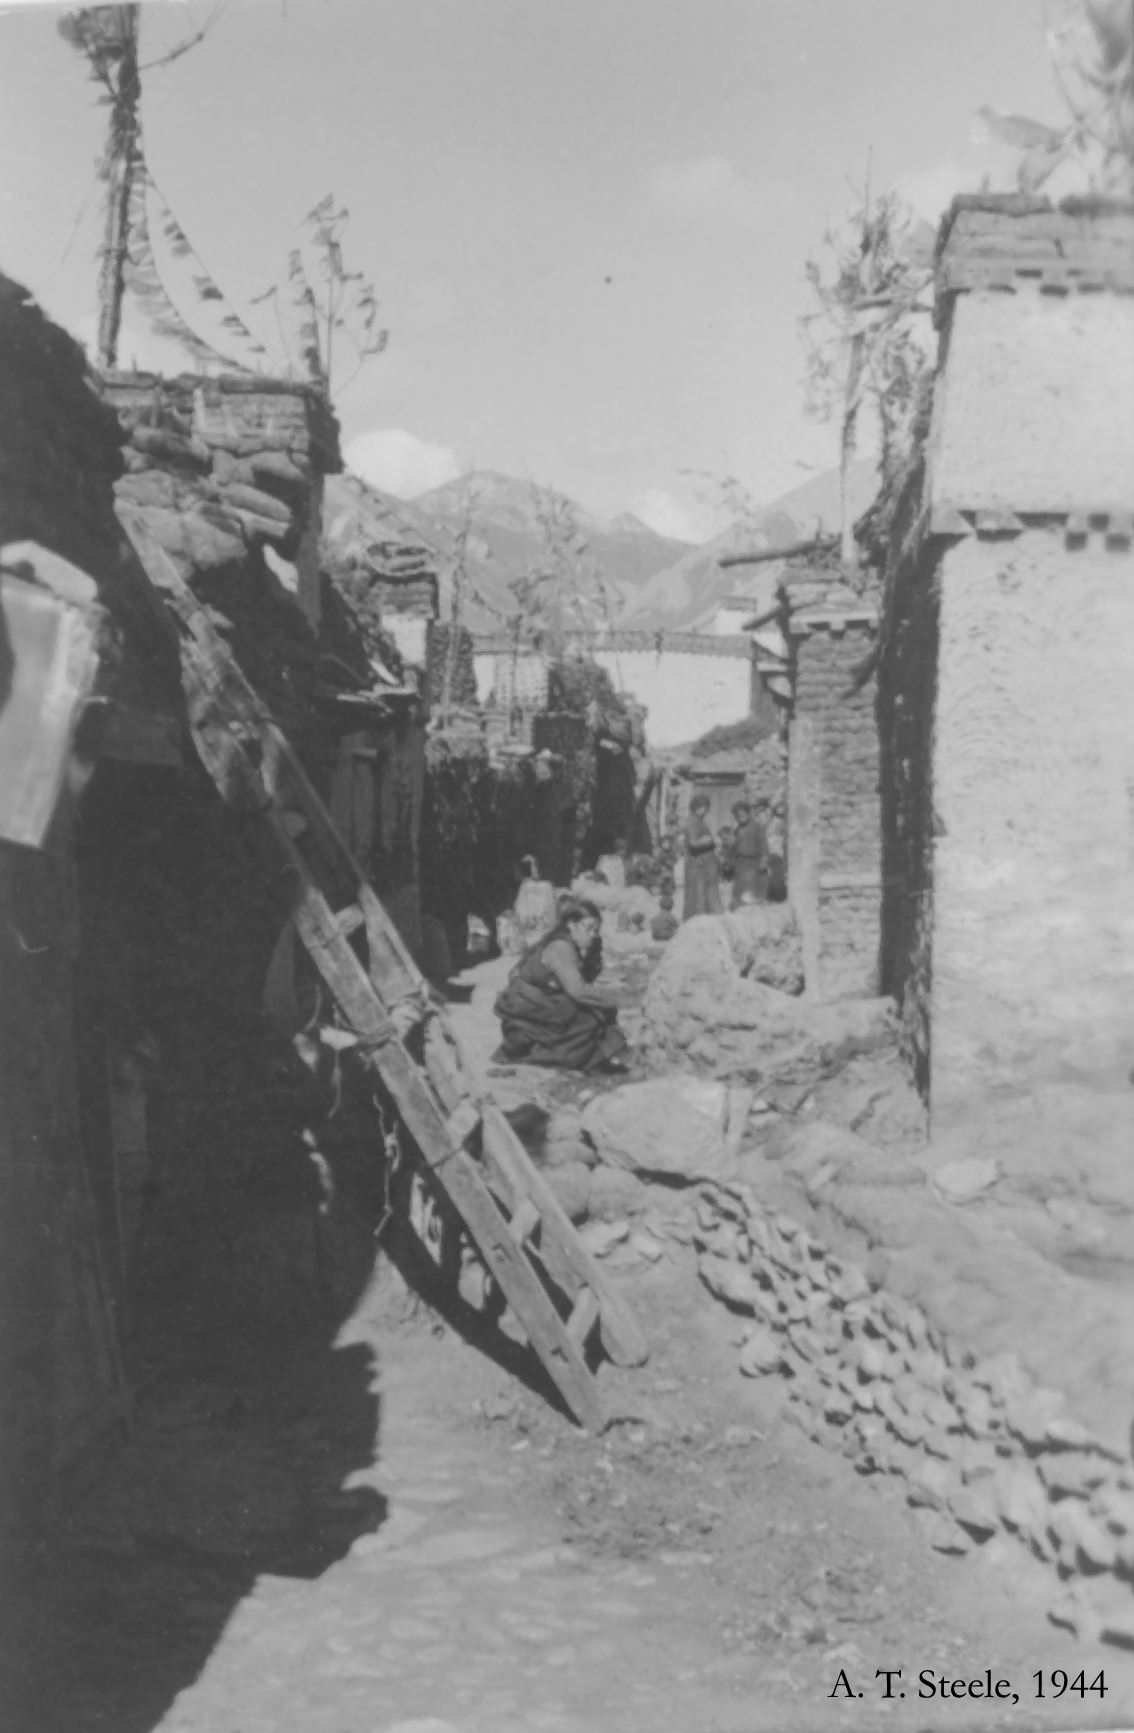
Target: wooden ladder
<point x="509" y="1211"/>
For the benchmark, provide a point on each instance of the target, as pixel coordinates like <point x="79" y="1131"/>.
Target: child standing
<point x="702" y="872"/>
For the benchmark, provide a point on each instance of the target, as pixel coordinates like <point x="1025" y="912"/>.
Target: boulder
<point x="600" y="1238"/>
<point x="571" y="1184"/>
<point x="667" y="1126"/>
<point x="959" y="1181"/>
<point x="730" y="1282"/>
<point x="766" y="946"/>
<point x="702" y="1009"/>
<point x="564" y="1154"/>
<point x="615" y="1194"/>
<point x="761" y="1353"/>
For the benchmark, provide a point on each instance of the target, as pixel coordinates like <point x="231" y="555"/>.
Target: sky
<point x="587" y="221"/>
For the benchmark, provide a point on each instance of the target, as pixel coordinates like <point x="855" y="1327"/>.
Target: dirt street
<point x="394" y="1533"/>
<point x="702" y="1568"/>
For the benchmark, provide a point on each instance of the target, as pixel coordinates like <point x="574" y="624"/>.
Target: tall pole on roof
<point x="108" y="37"/>
<point x="121" y="164"/>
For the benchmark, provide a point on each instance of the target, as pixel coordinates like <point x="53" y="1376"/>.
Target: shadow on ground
<point x="483" y="1328"/>
<point x="238" y="1467"/>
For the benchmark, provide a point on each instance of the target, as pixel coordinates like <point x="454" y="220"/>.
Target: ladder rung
<point x="408" y="1014"/>
<point x="384" y="1000"/>
<point x="524" y="1222"/>
<point x="584" y="1316"/>
<point x="462" y="1122"/>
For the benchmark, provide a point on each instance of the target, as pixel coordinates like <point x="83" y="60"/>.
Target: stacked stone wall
<point x="981" y="1448"/>
<point x="225" y="467"/>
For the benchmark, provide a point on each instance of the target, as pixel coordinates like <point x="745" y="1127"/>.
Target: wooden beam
<point x="818" y="544"/>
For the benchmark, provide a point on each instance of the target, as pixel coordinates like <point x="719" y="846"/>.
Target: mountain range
<point x="687" y="595"/>
<point x="625" y="573"/>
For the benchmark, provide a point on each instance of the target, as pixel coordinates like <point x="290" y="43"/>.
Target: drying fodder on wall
<point x="577" y="683"/>
<point x="569" y="737"/>
<point x="481" y="816"/>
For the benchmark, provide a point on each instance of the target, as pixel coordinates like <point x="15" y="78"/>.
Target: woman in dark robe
<point x="702" y="872"/>
<point x="550" y="1012"/>
<point x="750" y="880"/>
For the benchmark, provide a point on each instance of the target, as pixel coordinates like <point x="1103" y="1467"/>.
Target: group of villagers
<point x="552" y="1011"/>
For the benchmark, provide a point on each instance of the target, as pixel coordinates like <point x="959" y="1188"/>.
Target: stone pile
<point x="726" y="998"/>
<point x="983" y="1449"/>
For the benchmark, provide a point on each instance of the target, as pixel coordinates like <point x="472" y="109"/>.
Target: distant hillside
<point x="686" y="596"/>
<point x="506" y="538"/>
<point x="652" y="582"/>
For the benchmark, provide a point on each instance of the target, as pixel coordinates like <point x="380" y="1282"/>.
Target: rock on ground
<point x="765" y="944"/>
<point x="670" y="1126"/>
<point x="615" y="1194"/>
<point x="974" y="1278"/>
<point x="571" y="1183"/>
<point x="701" y="1010"/>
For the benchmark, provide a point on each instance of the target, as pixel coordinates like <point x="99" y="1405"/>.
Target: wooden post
<point x="121" y="165"/>
<point x="803" y="843"/>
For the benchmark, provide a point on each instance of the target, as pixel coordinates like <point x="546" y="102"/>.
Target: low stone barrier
<point x="982" y="1448"/>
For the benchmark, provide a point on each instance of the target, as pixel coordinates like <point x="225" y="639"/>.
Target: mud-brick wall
<point x="1031" y="471"/>
<point x="834" y="836"/>
<point x="1054" y="368"/>
<point x="1033" y="773"/>
<point x="59" y="456"/>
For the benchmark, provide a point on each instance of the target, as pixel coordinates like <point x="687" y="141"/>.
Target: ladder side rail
<point x="562" y="1252"/>
<point x="223" y="709"/>
<point x="225" y="687"/>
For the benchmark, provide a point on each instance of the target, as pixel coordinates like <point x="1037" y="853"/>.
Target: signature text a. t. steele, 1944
<point x="887" y="1684"/>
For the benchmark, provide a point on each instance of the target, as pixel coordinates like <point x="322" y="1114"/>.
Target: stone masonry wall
<point x="843" y="829"/>
<point x="982" y="1448"/>
<point x="1033" y="775"/>
<point x="221" y="467"/>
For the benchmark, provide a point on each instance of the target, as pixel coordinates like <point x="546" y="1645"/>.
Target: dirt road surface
<point x="390" y="1529"/>
<point x="700" y="1568"/>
